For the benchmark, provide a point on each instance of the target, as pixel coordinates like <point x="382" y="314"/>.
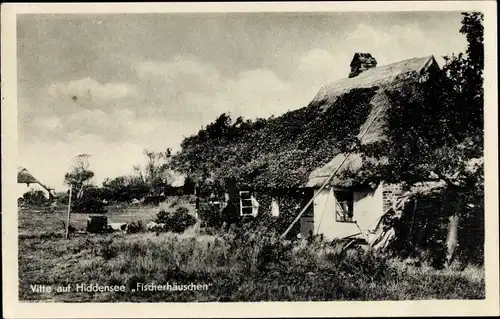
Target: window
<point x="248" y="204"/>
<point x="344" y="209"/>
<point x="275" y="207"/>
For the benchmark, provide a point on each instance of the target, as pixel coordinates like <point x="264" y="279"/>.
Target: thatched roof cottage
<point x="349" y="210"/>
<point x="26" y="182"/>
<point x="298" y="151"/>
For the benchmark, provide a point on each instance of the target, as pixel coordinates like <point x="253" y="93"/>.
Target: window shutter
<point x="255" y="206"/>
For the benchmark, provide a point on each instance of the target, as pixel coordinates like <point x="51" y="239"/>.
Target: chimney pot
<point x="361" y="62"/>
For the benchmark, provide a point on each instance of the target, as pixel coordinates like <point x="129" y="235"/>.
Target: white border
<point x="14" y="309"/>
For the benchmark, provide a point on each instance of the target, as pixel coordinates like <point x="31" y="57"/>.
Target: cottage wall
<point x="324" y="217"/>
<point x="23" y="188"/>
<point x="368" y="208"/>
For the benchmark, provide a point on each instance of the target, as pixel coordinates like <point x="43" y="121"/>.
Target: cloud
<point x="318" y="67"/>
<point x="392" y="43"/>
<point x="256" y="93"/>
<point x="181" y="72"/>
<point x="49" y="123"/>
<point x="382" y="37"/>
<point x="113" y="125"/>
<point x="89" y="93"/>
<point x="49" y="160"/>
<point x="172" y="99"/>
<point x="251" y="94"/>
<point x="116" y="133"/>
<point x="199" y="91"/>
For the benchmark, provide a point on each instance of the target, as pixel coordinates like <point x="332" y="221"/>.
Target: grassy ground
<point x="252" y="267"/>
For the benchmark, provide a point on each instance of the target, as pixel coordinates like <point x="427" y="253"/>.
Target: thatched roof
<point x="379" y="76"/>
<point x="25" y="177"/>
<point x="301" y="148"/>
<point x="374" y="128"/>
<point x="341" y="164"/>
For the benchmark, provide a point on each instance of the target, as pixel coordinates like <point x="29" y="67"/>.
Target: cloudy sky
<point x="113" y="85"/>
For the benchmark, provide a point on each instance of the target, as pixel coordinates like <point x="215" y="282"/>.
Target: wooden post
<point x="452" y="238"/>
<point x="69" y="210"/>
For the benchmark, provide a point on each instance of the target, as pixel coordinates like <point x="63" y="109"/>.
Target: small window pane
<point x="344" y="210"/>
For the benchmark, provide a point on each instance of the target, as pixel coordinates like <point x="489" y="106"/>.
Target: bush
<point x="124" y="189"/>
<point x="162" y="217"/>
<point x="88" y="205"/>
<point x="106" y="248"/>
<point x="62" y="198"/>
<point x="263" y="152"/>
<point x="153" y="199"/>
<point x="34" y="198"/>
<point x="213" y="215"/>
<point x="177" y="221"/>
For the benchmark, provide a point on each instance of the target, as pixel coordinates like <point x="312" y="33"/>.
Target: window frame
<point x="248" y="206"/>
<point x="341" y="216"/>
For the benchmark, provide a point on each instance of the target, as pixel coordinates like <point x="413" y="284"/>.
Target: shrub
<point x="264" y="151"/>
<point x="182" y="220"/>
<point x="34" y="198"/>
<point x="177" y="221"/>
<point x="62" y="198"/>
<point x="162" y="217"/>
<point x="240" y="264"/>
<point x="153" y="199"/>
<point x="213" y="216"/>
<point x="124" y="188"/>
<point x="105" y="248"/>
<point x="88" y="205"/>
<point x="189" y="186"/>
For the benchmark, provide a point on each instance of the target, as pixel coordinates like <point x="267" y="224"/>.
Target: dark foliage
<point x="88" y="205"/>
<point x="97" y="224"/>
<point x="34" y="198"/>
<point x="177" y="221"/>
<point x="189" y="186"/>
<point x="214" y="216"/>
<point x="153" y="199"/>
<point x="125" y="189"/>
<point x="466" y="73"/>
<point x="278" y="152"/>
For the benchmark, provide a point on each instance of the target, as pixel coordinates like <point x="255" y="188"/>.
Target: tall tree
<point x="465" y="72"/>
<point x="462" y="164"/>
<point x="156" y="172"/>
<point x="80" y="175"/>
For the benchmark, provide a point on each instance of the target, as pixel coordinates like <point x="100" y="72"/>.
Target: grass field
<point x="252" y="267"/>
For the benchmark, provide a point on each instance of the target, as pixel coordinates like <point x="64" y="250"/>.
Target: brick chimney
<point x="361" y="62"/>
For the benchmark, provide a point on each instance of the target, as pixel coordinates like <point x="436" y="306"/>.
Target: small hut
<point x="26" y="182"/>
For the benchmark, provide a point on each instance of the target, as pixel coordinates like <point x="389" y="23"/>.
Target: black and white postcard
<point x="249" y="159"/>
